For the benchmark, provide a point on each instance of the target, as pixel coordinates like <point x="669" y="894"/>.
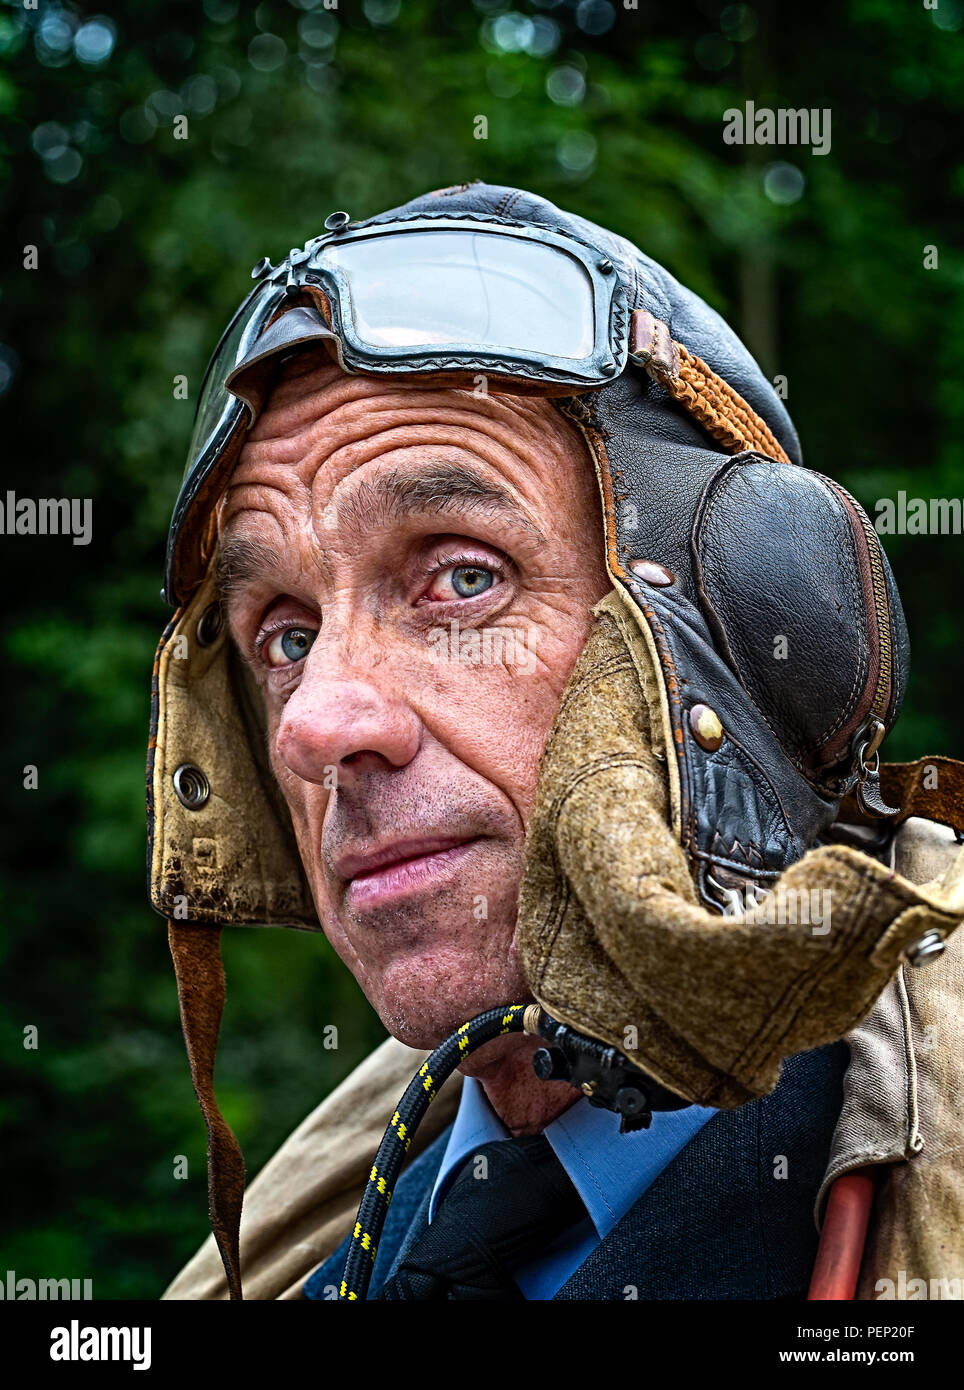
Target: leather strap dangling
<point x="931" y="787"/>
<point x="196" y="951"/>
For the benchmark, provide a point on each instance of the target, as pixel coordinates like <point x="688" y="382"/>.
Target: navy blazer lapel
<point x="732" y="1216"/>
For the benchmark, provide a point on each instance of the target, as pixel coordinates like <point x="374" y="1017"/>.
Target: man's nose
<point x="342" y="720"/>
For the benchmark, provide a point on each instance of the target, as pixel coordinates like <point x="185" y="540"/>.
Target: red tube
<point x="841" y="1248"/>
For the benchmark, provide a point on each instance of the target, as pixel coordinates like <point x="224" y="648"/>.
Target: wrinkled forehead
<point x="321" y="424"/>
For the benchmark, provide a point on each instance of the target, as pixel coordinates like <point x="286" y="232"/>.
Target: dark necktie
<point x="495" y="1217"/>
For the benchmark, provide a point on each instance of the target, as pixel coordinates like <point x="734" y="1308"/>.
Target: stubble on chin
<point x="422" y="993"/>
<point x="431" y="963"/>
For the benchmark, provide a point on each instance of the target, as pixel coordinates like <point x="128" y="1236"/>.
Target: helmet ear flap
<point x="221" y="847"/>
<point x="793" y="584"/>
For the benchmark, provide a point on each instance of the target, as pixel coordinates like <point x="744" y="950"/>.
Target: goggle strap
<point x="251" y="379"/>
<point x="713" y="403"/>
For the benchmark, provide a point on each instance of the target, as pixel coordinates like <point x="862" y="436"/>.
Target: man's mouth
<point x="401" y="869"/>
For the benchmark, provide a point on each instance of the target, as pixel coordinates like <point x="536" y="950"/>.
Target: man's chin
<point x="425" y="1030"/>
<point x="423" y="1022"/>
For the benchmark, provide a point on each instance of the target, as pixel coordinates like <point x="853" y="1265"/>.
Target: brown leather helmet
<point x="759" y="587"/>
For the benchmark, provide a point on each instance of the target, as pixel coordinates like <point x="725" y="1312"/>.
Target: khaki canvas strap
<point x="196" y="951"/>
<point x="712" y="402"/>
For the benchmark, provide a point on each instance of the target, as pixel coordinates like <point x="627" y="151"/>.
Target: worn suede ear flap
<point x="615" y="943"/>
<point x="196" y="951"/>
<point x="228" y="856"/>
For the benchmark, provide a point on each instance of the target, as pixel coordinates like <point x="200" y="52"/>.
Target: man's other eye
<point x="289" y="646"/>
<point x="461" y="581"/>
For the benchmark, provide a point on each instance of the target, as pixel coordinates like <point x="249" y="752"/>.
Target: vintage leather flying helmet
<point x="718" y="542"/>
<point x="705" y="507"/>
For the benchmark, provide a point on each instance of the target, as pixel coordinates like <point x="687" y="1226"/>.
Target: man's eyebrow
<point x="447" y="487"/>
<point x="241" y="559"/>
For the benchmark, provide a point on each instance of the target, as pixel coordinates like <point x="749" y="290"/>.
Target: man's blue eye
<point x="296" y="643"/>
<point x="292" y="644"/>
<point x="470" y="580"/>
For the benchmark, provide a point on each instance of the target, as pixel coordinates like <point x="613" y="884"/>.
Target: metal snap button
<point x="209" y="625"/>
<point x="925" y="951"/>
<point x="652" y="573"/>
<point x="191" y="787"/>
<point x="706" y="726"/>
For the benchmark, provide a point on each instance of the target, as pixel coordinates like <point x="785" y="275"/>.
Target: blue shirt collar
<point x="609" y="1170"/>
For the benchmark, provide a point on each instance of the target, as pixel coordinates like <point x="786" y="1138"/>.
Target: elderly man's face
<point x="372" y="538"/>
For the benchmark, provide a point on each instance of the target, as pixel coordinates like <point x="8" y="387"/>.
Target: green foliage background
<point x="144" y="246"/>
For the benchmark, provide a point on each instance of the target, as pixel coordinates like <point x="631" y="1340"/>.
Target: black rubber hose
<point x="422" y="1090"/>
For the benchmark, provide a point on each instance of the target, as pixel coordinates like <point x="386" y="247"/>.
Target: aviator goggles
<point x="526" y="308"/>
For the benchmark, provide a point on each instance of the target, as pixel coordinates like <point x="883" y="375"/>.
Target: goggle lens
<point x="468" y="290"/>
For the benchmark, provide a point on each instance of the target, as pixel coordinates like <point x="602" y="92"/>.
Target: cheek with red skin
<point x="494" y="718"/>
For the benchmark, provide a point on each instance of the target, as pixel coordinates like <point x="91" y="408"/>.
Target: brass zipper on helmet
<point x="884" y="634"/>
<point x="870" y="734"/>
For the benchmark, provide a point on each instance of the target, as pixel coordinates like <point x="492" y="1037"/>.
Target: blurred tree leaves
<point x="144" y="244"/>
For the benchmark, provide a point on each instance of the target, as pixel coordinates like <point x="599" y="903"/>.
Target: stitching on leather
<point x="754" y="456"/>
<point x="821" y="738"/>
<point x="607" y="474"/>
<point x="675" y="703"/>
<point x="637" y="287"/>
<point x="721" y="852"/>
<point x="708" y="501"/>
<point x="898" y="668"/>
<point x="595" y="435"/>
<point x="155" y="812"/>
<point x="766" y="787"/>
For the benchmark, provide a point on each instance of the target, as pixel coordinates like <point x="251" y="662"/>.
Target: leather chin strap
<point x="196" y="951"/>
<point x="930" y="787"/>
